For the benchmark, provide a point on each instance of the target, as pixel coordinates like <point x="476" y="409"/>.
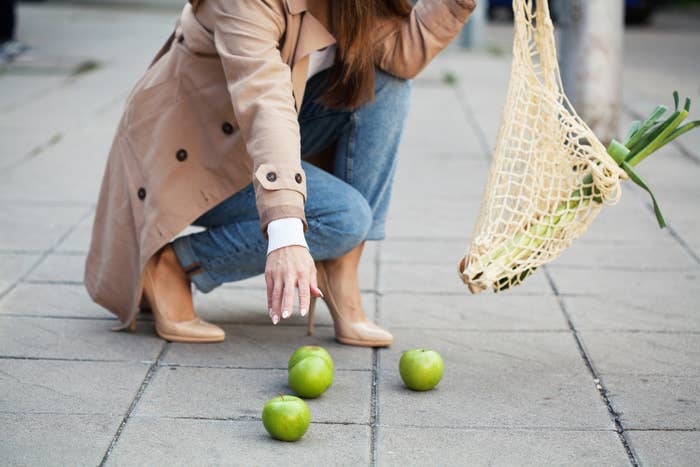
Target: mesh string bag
<point x="549" y="175"/>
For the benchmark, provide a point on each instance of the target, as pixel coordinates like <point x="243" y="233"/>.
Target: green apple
<point x="307" y="351"/>
<point x="421" y="369"/>
<point x="310" y="377"/>
<point x="286" y="417"/>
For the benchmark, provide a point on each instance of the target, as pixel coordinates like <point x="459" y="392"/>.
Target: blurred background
<point x="595" y="360"/>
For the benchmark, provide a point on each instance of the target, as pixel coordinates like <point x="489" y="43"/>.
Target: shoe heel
<point x="131" y="327"/>
<point x="312" y="308"/>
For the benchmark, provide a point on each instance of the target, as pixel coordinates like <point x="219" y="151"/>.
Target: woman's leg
<point x="342" y="210"/>
<point x="366" y="154"/>
<point x="233" y="248"/>
<point x="365" y="158"/>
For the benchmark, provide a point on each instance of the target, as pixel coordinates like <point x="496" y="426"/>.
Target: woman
<point x="214" y="135"/>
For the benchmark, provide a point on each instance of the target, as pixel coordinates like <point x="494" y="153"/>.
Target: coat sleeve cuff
<point x="279" y="212"/>
<point x="280" y="191"/>
<point x="444" y="18"/>
<point x="285" y="232"/>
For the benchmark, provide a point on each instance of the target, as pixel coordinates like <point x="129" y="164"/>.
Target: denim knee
<point x="395" y="88"/>
<point x="353" y="221"/>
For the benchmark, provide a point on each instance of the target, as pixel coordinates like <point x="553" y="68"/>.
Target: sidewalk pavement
<point x="594" y="361"/>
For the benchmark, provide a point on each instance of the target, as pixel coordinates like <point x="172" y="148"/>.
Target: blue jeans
<point x="342" y="209"/>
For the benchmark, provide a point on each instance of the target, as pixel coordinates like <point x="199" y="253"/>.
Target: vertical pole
<point x="590" y="49"/>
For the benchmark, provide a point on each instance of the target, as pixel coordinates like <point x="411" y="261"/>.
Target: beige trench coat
<point x="218" y="109"/>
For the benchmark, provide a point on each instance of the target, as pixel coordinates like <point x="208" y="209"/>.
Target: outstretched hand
<point x="288" y="268"/>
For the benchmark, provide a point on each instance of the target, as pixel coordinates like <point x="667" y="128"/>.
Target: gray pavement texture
<point x="594" y="361"/>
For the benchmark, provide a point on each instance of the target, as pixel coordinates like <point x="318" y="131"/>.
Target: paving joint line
<point x="457" y="294"/>
<point x="242" y="418"/>
<point x="641" y="195"/>
<point x="66" y="359"/>
<point x="691" y="157"/>
<point x="51" y="281"/>
<point x="233" y="367"/>
<point x="602" y="390"/>
<point x="466" y="107"/>
<point x="374" y="390"/>
<point x="682" y="430"/>
<point x="505" y="428"/>
<point x="152" y="370"/>
<point x="46" y="254"/>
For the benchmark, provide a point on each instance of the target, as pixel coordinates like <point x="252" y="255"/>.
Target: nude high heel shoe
<point x="166" y="291"/>
<point x="363" y="333"/>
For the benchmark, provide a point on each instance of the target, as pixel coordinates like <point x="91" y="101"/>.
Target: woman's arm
<point x="406" y="45"/>
<point x="247" y="36"/>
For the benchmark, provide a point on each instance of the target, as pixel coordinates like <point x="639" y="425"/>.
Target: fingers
<point x="288" y="268"/>
<point x="288" y="296"/>
<point x="270" y="284"/>
<point x="313" y="284"/>
<point x="277" y="290"/>
<point x="304" y="297"/>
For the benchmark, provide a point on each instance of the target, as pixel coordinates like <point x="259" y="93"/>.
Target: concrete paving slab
<point x="267" y="347"/>
<point x="35" y="228"/>
<point x="476" y="312"/>
<point x="51" y="300"/>
<point x="426" y="251"/>
<point x="496" y="399"/>
<point x="451" y="121"/>
<point x="241" y="394"/>
<point x="248" y="306"/>
<point x="60" y="268"/>
<point x="79" y="240"/>
<point x="66" y="169"/>
<point x="414" y="446"/>
<point x="626" y="222"/>
<point x="644" y="353"/>
<point x="366" y="275"/>
<point x="663" y="253"/>
<point x="679" y="448"/>
<point x="606" y="313"/>
<point x="481" y="352"/>
<point x="55" y="440"/>
<point x="401" y="223"/>
<point x="223" y="442"/>
<point x="444" y="278"/>
<point x="512" y="371"/>
<point x="69" y="387"/>
<point x="655" y="402"/>
<point x="13" y="267"/>
<point x="675" y="289"/>
<point x="76" y="338"/>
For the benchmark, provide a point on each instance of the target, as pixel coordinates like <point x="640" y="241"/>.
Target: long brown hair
<point x="351" y="78"/>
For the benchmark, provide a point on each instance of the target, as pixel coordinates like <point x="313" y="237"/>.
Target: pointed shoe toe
<point x="366" y="334"/>
<point x="196" y="330"/>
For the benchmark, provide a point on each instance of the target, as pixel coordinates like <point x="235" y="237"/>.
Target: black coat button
<point x="227" y="128"/>
<point x="297" y="177"/>
<point x="181" y="155"/>
<point x="141" y="193"/>
<point x="181" y="38"/>
<point x="271" y="176"/>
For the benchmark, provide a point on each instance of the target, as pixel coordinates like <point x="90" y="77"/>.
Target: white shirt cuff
<point x="284" y="232"/>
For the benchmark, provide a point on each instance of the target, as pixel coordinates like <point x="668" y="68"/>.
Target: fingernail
<point x="286" y="314"/>
<point x="275" y="319"/>
<point x="269" y="312"/>
<point x="303" y="312"/>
